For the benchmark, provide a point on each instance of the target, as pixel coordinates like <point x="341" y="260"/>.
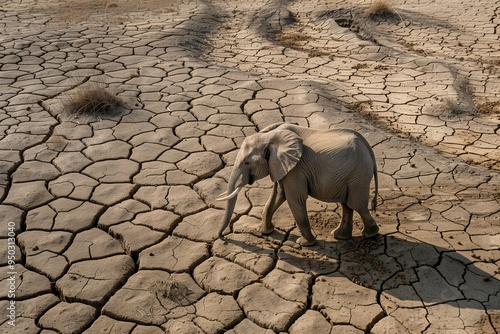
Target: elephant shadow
<point x="397" y="266"/>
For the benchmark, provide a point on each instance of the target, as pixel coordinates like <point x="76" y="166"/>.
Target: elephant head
<point x="272" y="153"/>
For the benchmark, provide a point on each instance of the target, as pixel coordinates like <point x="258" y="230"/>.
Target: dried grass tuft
<point x="293" y="40"/>
<point x="492" y="107"/>
<point x="379" y="7"/>
<point x="453" y="107"/>
<point x="91" y="100"/>
<point x="171" y="289"/>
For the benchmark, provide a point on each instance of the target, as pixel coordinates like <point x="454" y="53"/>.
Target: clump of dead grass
<point x="379" y="8"/>
<point x="294" y="40"/>
<point x="171" y="289"/>
<point x="315" y="52"/>
<point x="491" y="107"/>
<point x="453" y="107"/>
<point x="359" y="106"/>
<point x="360" y="66"/>
<point x="91" y="100"/>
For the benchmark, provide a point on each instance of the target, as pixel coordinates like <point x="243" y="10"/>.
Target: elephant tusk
<point x="231" y="195"/>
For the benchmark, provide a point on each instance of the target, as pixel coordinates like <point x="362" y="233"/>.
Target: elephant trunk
<point x="231" y="197"/>
<point x="227" y="216"/>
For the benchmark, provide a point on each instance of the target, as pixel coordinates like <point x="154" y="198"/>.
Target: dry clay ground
<point x="114" y="215"/>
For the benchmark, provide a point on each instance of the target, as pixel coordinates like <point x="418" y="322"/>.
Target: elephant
<point x="334" y="165"/>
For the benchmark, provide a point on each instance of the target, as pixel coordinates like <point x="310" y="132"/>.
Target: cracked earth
<point x="115" y="218"/>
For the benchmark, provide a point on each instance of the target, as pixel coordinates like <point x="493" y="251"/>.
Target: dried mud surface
<point x="112" y="219"/>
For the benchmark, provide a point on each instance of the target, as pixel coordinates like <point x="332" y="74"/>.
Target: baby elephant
<point x="330" y="165"/>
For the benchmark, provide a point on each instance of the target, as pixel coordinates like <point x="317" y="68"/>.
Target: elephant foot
<point x="267" y="230"/>
<point x="304" y="242"/>
<point x="370" y="232"/>
<point x="342" y="234"/>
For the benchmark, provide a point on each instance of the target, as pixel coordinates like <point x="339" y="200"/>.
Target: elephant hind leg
<point x="344" y="230"/>
<point x="370" y="226"/>
<point x="359" y="203"/>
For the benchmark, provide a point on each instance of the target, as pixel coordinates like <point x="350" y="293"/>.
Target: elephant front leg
<point x="344" y="230"/>
<point x="299" y="212"/>
<point x="273" y="203"/>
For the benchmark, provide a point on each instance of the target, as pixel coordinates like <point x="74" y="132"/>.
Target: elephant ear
<point x="285" y="150"/>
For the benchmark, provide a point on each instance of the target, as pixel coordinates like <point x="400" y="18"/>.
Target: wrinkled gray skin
<point x="331" y="166"/>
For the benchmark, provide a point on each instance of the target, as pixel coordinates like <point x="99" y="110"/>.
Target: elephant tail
<point x="375" y="177"/>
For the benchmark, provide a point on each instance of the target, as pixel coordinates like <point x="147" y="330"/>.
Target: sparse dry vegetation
<point x="317" y="53"/>
<point x="294" y="39"/>
<point x="379" y="7"/>
<point x="412" y="48"/>
<point x="358" y="107"/>
<point x="489" y="107"/>
<point x="171" y="289"/>
<point x="453" y="107"/>
<point x="360" y="66"/>
<point x="381" y="68"/>
<point x="91" y="100"/>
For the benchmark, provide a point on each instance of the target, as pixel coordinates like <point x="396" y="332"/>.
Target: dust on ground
<point x="111" y="11"/>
